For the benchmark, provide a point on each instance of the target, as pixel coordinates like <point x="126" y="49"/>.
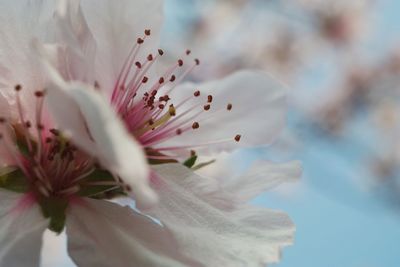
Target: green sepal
<point x="54" y="208"/>
<point x="203" y="164"/>
<point x="190" y="161"/>
<point x="13" y="180"/>
<point x="100" y="191"/>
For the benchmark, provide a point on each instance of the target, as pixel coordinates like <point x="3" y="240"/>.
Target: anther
<point x="172" y="110"/>
<point x="209" y="98"/>
<point x="2" y="120"/>
<point x="154" y="92"/>
<point x="18" y="87"/>
<point x="195" y="125"/>
<point x="160" y="52"/>
<point x="28" y="124"/>
<point x="161" y="106"/>
<point x="137" y="63"/>
<point x="39" y="93"/>
<point x="150" y="57"/>
<point x="229" y="106"/>
<point x="180" y="62"/>
<point x="207" y="107"/>
<point x="147" y="32"/>
<point x="140" y="41"/>
<point x="40" y="126"/>
<point x="197" y="93"/>
<point x="145" y="79"/>
<point x="197" y="61"/>
<point x="237" y="137"/>
<point x="96" y="85"/>
<point x="173" y="77"/>
<point x="161" y="80"/>
<point x="55" y="132"/>
<point x="178" y="131"/>
<point x="188" y="52"/>
<point x="48" y="140"/>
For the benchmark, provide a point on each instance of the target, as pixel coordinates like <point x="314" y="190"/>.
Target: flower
<point x="109" y="50"/>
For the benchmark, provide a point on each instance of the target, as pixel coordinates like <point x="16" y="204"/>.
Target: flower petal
<point x="115" y="26"/>
<point x="211" y="235"/>
<point x="77" y="47"/>
<point x="257" y="114"/>
<point x="102" y="233"/>
<point x="21" y="230"/>
<point x="106" y="137"/>
<point x="262" y="176"/>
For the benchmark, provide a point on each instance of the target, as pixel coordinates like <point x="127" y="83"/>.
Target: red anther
<point x="2" y="120"/>
<point x="39" y="93"/>
<point x="145" y="79"/>
<point x="139" y="40"/>
<point x="138" y="64"/>
<point x="188" y="52"/>
<point x="173" y="77"/>
<point x="209" y="98"/>
<point x="161" y="80"/>
<point x="55" y="132"/>
<point x="178" y="131"/>
<point x="160" y="52"/>
<point x="197" y="61"/>
<point x="147" y="32"/>
<point x="207" y="107"/>
<point x="28" y="124"/>
<point x="48" y="140"/>
<point x="18" y="87"/>
<point x="154" y="92"/>
<point x="150" y="57"/>
<point x="195" y="125"/>
<point x="161" y="106"/>
<point x="229" y="106"/>
<point x="237" y="137"/>
<point x="180" y="62"/>
<point x="197" y="93"/>
<point x="151" y="122"/>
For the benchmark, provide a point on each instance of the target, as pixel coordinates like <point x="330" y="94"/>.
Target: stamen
<point x="195" y="125"/>
<point x="229" y="107"/>
<point x="237" y="137"/>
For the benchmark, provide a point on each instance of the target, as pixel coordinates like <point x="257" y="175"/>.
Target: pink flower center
<point x="146" y="103"/>
<point x="50" y="163"/>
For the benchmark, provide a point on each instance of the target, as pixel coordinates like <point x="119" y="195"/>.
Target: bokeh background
<point x="341" y="61"/>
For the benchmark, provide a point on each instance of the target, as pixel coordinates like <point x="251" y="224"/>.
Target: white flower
<point x="97" y="50"/>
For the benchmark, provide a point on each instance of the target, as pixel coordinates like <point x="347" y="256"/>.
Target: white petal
<point x="262" y="176"/>
<point x="77" y="47"/>
<point x="19" y="23"/>
<point x="115" y="26"/>
<point x="106" y="137"/>
<point x="101" y="233"/>
<point x="211" y="235"/>
<point x="258" y="111"/>
<point x="21" y="231"/>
